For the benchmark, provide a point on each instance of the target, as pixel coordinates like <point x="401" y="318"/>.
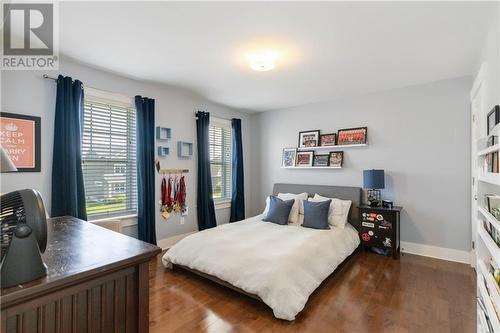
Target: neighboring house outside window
<point x="109" y="156"/>
<point x="220" y="158"/>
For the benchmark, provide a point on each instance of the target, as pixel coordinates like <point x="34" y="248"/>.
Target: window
<point x="109" y="155"/>
<point x="220" y="158"/>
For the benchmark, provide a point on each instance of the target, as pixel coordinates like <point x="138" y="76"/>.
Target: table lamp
<point x="374" y="181"/>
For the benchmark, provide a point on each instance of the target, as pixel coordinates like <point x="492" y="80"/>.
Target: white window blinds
<point x="109" y="159"/>
<point x="220" y="158"/>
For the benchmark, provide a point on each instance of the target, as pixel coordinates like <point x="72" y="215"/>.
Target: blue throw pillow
<point x="316" y="214"/>
<point x="279" y="210"/>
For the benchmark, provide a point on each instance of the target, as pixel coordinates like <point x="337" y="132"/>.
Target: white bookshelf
<point x="486" y="248"/>
<point x="488" y="150"/>
<point x="332" y="148"/>
<point x="489" y="177"/>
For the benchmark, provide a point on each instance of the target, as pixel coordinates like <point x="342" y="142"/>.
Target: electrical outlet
<point x="182" y="219"/>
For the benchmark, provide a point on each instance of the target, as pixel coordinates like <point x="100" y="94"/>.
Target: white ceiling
<point x="329" y="49"/>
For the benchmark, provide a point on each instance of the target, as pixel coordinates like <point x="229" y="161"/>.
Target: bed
<point x="279" y="265"/>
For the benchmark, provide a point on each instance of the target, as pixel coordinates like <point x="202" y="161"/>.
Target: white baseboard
<point x="166" y="243"/>
<point x="437" y="252"/>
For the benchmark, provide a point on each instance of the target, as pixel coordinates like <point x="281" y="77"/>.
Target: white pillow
<point x="338" y="212"/>
<point x="297" y="205"/>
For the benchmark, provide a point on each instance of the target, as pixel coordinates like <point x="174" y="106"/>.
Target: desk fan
<point x="23" y="228"/>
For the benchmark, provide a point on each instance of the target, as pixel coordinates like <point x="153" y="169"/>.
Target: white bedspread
<point x="283" y="265"/>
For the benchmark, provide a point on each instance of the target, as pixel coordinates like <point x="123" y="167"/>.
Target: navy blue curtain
<point x="205" y="202"/>
<point x="146" y="169"/>
<point x="237" y="181"/>
<point x="68" y="195"/>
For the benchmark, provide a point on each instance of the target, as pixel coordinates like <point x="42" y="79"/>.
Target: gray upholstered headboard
<point x="339" y="192"/>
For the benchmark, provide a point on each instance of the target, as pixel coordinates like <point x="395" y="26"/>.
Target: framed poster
<point x="289" y="156"/>
<point x="336" y="159"/>
<point x="304" y="159"/>
<point x="326" y="140"/>
<point x="20" y="138"/>
<point x="308" y="138"/>
<point x="352" y="136"/>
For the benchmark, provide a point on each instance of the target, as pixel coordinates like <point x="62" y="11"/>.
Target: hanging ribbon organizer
<point x="173" y="191"/>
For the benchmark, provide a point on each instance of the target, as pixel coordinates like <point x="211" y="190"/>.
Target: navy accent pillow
<point x="316" y="214"/>
<point x="279" y="210"/>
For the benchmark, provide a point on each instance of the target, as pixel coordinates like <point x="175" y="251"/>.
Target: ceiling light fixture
<point x="263" y="61"/>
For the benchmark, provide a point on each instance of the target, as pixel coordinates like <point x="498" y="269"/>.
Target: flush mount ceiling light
<point x="263" y="61"/>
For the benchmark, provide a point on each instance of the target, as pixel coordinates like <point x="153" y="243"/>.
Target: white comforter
<point x="283" y="265"/>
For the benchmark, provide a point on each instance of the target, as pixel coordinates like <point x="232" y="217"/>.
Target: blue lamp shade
<point x="373" y="179"/>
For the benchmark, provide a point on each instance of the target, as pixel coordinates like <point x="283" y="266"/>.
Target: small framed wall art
<point x="288" y="158"/>
<point x="321" y="160"/>
<point x="163" y="133"/>
<point x="336" y="158"/>
<point x="326" y="140"/>
<point x="308" y="138"/>
<point x="352" y="136"/>
<point x="305" y="158"/>
<point x="20" y="139"/>
<point x="184" y="149"/>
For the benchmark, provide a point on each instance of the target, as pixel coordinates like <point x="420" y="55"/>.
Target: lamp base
<point x="373" y="198"/>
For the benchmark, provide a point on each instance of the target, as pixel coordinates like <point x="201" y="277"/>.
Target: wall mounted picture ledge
<point x="163" y="133"/>
<point x="184" y="149"/>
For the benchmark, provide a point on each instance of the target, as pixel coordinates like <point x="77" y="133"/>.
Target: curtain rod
<point x="215" y="116"/>
<point x="46" y="76"/>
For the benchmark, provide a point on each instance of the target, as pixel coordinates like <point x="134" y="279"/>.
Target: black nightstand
<point x="380" y="228"/>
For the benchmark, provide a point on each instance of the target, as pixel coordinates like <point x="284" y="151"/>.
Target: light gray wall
<point x="26" y="92"/>
<point x="419" y="135"/>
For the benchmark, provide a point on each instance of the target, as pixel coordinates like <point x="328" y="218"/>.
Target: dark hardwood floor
<point x="371" y="293"/>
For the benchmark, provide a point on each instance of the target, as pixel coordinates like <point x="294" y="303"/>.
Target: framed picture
<point x="321" y="160"/>
<point x="336" y="158"/>
<point x="326" y="140"/>
<point x="288" y="158"/>
<point x="20" y="139"/>
<point x="493" y="118"/>
<point x="352" y="136"/>
<point x="308" y="139"/>
<point x="304" y="158"/>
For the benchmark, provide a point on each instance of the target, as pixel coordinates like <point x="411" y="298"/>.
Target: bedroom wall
<point x="26" y="92"/>
<point x="419" y="135"/>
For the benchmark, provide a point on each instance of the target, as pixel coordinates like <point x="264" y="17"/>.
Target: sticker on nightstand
<point x="365" y="237"/>
<point x="368" y="224"/>
<point x="387" y="242"/>
<point x="385" y="225"/>
<point x="380" y="217"/>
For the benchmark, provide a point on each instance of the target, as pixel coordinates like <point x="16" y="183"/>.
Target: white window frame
<point x="224" y="202"/>
<point x="96" y="95"/>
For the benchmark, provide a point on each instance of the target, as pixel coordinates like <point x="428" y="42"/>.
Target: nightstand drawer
<point x="380" y="228"/>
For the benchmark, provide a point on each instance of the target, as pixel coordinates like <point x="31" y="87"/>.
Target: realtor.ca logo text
<point x="29" y="36"/>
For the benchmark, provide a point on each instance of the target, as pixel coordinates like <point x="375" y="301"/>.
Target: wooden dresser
<point x="97" y="281"/>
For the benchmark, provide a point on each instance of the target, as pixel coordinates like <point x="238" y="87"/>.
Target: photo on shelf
<point x="327" y="140"/>
<point x="336" y="159"/>
<point x="493" y="204"/>
<point x="352" y="136"/>
<point x="288" y="158"/>
<point x="321" y="160"/>
<point x="308" y="138"/>
<point x="492" y="119"/>
<point x="305" y="158"/>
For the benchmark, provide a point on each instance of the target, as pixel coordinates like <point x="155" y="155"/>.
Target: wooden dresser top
<point x="78" y="250"/>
